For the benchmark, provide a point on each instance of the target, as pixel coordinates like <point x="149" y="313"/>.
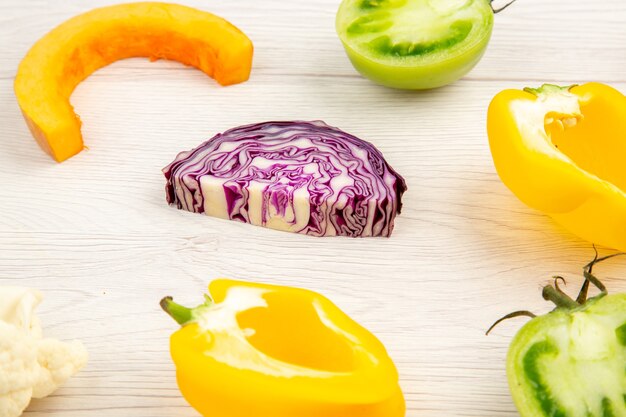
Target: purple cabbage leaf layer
<point x="303" y="177"/>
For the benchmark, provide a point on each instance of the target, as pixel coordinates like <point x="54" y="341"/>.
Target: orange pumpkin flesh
<point x="68" y="54"/>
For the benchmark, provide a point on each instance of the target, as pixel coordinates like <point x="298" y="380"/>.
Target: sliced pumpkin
<point x="68" y="54"/>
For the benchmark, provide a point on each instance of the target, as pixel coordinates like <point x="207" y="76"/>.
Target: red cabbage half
<point x="303" y="177"/>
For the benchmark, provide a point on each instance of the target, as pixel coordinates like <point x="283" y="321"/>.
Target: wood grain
<point x="95" y="234"/>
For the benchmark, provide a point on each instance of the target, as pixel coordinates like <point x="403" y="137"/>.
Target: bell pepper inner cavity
<point x="278" y="331"/>
<point x="595" y="140"/>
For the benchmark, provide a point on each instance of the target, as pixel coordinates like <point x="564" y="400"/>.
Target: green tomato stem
<point x="554" y="293"/>
<point x="582" y="295"/>
<point x="495" y="11"/>
<point x="510" y="316"/>
<point x="559" y="298"/>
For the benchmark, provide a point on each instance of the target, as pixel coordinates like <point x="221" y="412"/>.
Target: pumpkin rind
<point x="68" y="54"/>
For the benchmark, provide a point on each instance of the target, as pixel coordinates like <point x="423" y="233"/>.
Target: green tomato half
<point x="414" y="44"/>
<point x="572" y="363"/>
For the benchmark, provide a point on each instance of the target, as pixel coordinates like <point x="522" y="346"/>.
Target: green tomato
<point x="571" y="362"/>
<point x="414" y="44"/>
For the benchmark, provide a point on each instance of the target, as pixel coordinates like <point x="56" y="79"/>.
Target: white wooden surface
<point x="95" y="234"/>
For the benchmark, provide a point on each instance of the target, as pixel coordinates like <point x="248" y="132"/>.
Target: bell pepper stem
<point x="181" y="314"/>
<point x="547" y="89"/>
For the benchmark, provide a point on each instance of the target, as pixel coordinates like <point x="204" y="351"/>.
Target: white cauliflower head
<point x="30" y="365"/>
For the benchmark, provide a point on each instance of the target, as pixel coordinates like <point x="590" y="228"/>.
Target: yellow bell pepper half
<point x="562" y="150"/>
<point x="272" y="351"/>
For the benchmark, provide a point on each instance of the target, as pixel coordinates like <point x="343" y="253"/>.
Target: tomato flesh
<point x="414" y="44"/>
<point x="572" y="363"/>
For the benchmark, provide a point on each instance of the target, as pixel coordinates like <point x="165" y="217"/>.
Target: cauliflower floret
<point x="58" y="361"/>
<point x="30" y="366"/>
<point x="18" y="369"/>
<point x="14" y="403"/>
